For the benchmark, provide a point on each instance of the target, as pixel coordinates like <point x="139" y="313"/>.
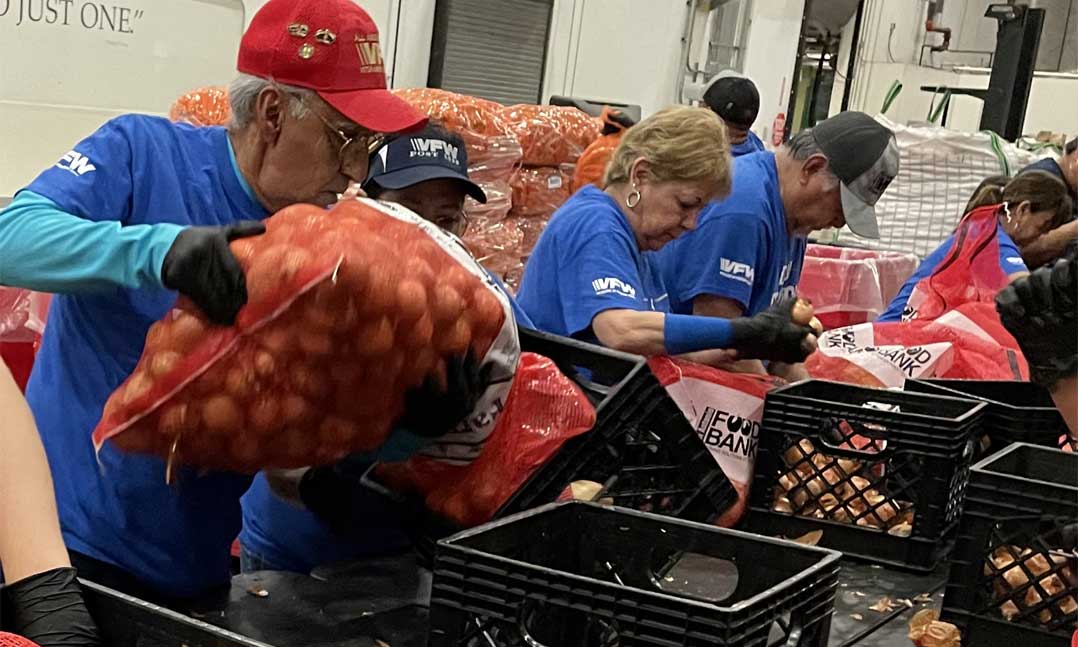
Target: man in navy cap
<point x="342" y="517"/>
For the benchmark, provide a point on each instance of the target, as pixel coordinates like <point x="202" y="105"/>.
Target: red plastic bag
<point x="850" y="286"/>
<point x="543" y="410"/>
<point x="207" y="106"/>
<point x="22" y="315"/>
<point x="551" y="135"/>
<point x="540" y="190"/>
<point x="726" y="410"/>
<point x="347" y="310"/>
<point x="969" y="273"/>
<point x="967" y="343"/>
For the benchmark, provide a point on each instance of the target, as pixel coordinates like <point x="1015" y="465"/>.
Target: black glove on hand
<point x="772" y="335"/>
<point x="1039" y="310"/>
<point x="431" y="411"/>
<point x="48" y="609"/>
<point x="200" y="266"/>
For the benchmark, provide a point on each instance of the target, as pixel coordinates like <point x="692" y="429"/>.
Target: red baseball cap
<point x="331" y="47"/>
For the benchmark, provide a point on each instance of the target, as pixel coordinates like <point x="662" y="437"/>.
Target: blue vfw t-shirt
<point x="740" y="248"/>
<point x="116" y="507"/>
<point x="586" y="261"/>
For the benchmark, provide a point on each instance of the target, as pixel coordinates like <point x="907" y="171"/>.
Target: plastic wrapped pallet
<point x="939" y="170"/>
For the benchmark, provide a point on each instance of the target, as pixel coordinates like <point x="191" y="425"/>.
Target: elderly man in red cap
<point x="144" y="209"/>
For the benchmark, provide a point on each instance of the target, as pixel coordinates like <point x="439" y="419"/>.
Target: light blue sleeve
<point x="45" y="249"/>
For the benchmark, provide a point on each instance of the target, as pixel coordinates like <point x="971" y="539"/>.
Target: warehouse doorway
<point x="494" y="49"/>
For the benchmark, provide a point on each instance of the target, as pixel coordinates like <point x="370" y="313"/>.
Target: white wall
<point x="770" y="53"/>
<point x="625" y="51"/>
<point x="879" y="66"/>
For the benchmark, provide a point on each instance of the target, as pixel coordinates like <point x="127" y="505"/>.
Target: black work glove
<point x="48" y="609"/>
<point x="772" y="335"/>
<point x="618" y="121"/>
<point x="1039" y="311"/>
<point x="200" y="266"/>
<point x="432" y="411"/>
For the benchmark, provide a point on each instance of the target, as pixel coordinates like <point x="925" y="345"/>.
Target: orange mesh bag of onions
<point x="202" y="107"/>
<point x="347" y="310"/>
<point x="551" y="135"/>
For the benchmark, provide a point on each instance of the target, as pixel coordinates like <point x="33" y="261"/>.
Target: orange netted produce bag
<point x="202" y="107"/>
<point x="347" y="310"/>
<point x="551" y="135"/>
<point x="456" y="112"/>
<point x="540" y="190"/>
<point x="543" y="410"/>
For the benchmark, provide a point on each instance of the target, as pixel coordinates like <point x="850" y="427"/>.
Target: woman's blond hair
<point x="681" y="144"/>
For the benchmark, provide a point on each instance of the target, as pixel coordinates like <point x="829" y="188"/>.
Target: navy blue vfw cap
<point x="430" y="154"/>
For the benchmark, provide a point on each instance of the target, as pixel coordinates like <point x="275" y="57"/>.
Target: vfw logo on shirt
<point x="76" y="163"/>
<point x="611" y="285"/>
<point x="736" y="270"/>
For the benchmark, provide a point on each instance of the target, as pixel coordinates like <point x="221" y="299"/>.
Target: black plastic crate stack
<point x="1017" y="412"/>
<point x="882" y="473"/>
<point x="642" y="449"/>
<point x="582" y="575"/>
<point x="1014" y="572"/>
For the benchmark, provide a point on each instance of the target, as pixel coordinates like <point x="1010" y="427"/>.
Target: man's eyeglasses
<point x="354" y="150"/>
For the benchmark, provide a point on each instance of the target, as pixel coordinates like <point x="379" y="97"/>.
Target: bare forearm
<point x="631" y="331"/>
<point x="30" y="540"/>
<point x="1050" y="246"/>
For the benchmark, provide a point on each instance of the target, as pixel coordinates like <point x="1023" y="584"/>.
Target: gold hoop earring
<point x="633" y="199"/>
<point x="1007" y="212"/>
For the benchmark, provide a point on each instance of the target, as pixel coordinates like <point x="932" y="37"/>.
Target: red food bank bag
<point x="726" y="410"/>
<point x="543" y="410"/>
<point x="347" y="310"/>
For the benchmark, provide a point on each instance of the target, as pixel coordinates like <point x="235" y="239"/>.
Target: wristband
<point x="690" y="333"/>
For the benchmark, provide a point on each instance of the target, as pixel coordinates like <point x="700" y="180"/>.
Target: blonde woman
<point x="588" y="276"/>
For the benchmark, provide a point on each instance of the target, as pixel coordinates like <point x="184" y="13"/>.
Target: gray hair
<point x="802" y="145"/>
<point x="244" y="91"/>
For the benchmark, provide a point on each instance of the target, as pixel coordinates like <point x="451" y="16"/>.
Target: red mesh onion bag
<point x="969" y="273"/>
<point x="551" y="135"/>
<point x="726" y="410"/>
<point x="207" y="106"/>
<point x="543" y="410"/>
<point x="347" y="310"/>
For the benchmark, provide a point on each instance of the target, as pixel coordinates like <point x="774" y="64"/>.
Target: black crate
<point x="1017" y="412"/>
<point x="582" y="575"/>
<point x="642" y="449"/>
<point x="124" y="621"/>
<point x="1022" y="498"/>
<point x="882" y="473"/>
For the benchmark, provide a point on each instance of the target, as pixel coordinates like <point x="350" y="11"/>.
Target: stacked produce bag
<point x="206" y="106"/>
<point x="522" y="156"/>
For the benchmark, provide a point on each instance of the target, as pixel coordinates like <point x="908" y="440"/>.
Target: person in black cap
<point x="1052" y="244"/>
<point x="734" y="97"/>
<point x="336" y="513"/>
<point x="747" y="250"/>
